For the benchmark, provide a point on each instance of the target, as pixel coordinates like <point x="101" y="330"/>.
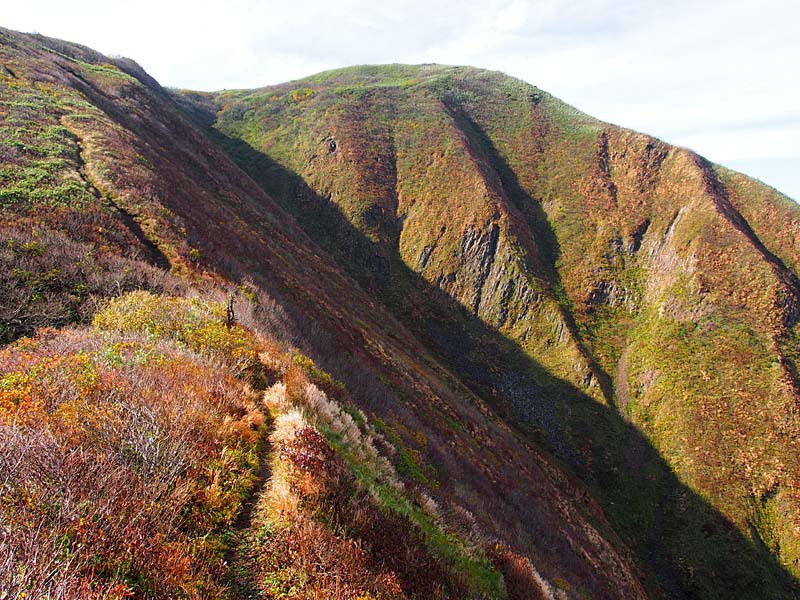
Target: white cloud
<point x="718" y="76"/>
<point x="511" y="17"/>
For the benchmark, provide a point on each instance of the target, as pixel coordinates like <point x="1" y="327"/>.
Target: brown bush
<point x="396" y="545"/>
<point x="523" y="582"/>
<point x="333" y="536"/>
<point x="48" y="280"/>
<point x="121" y="458"/>
<point x="308" y="561"/>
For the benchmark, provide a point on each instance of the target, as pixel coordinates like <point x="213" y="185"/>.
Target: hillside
<point x="575" y="343"/>
<point x="146" y="456"/>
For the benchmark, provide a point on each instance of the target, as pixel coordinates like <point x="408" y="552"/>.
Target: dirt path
<point x="242" y="571"/>
<point x="154" y="253"/>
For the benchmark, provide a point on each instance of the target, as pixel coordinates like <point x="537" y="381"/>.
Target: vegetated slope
<point x="127" y="451"/>
<point x="134" y="454"/>
<point x="609" y="284"/>
<point x="100" y="161"/>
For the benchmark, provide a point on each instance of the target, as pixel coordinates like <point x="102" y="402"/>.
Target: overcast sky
<point x="719" y="76"/>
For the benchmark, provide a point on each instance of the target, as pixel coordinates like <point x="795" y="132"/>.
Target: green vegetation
<point x="39" y="153"/>
<point x="519" y="349"/>
<point x="199" y="325"/>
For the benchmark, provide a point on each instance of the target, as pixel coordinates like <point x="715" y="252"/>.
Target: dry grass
<point x="326" y="532"/>
<point x="523" y="581"/>
<point x="123" y="457"/>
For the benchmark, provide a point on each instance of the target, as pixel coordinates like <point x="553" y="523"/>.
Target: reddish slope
<point x="616" y="268"/>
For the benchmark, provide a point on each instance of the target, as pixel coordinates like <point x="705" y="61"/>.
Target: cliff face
<point x="580" y="340"/>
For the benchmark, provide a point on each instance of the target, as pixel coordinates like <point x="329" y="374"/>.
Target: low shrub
<point x="124" y="458"/>
<point x="48" y="280"/>
<point x="198" y="324"/>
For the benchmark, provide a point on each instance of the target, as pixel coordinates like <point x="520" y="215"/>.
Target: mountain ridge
<point x="605" y="194"/>
<point x="343" y="229"/>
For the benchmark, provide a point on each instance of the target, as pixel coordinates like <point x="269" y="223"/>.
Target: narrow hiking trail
<point x="240" y="557"/>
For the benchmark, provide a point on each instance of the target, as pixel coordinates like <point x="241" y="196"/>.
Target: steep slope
<point x="641" y="289"/>
<point x="134" y="463"/>
<point x="95" y="149"/>
<point x="511" y="291"/>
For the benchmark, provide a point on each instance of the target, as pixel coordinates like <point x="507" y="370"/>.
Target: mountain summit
<point x="576" y="341"/>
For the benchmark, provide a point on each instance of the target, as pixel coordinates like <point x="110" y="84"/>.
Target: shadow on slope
<point x="541" y="231"/>
<point x="692" y="549"/>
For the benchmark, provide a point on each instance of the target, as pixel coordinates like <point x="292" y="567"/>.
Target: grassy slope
<point x="132" y="450"/>
<point x="128" y="450"/>
<point x="636" y="272"/>
<point x="150" y="181"/>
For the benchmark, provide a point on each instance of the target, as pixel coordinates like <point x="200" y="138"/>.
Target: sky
<point x="719" y="76"/>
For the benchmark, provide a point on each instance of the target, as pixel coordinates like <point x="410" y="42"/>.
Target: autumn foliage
<point x="125" y="452"/>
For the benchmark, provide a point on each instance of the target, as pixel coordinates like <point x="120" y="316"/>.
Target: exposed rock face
<point x="478" y="252"/>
